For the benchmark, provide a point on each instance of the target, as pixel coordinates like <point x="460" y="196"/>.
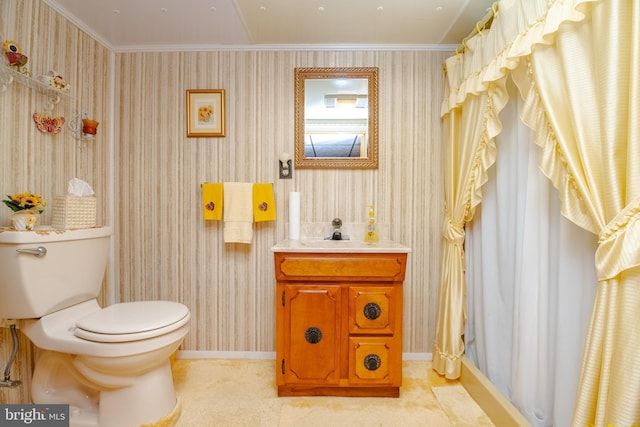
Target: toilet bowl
<point x="110" y="365"/>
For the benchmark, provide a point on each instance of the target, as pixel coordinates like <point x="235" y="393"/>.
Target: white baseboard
<point x="266" y="355"/>
<point x="199" y="354"/>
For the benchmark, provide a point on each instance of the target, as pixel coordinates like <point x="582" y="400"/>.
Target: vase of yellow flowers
<point x="26" y="208"/>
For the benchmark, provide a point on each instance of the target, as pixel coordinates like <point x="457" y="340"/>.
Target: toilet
<point x="111" y="365"/>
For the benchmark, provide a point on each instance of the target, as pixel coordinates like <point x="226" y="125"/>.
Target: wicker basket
<point x="74" y="212"/>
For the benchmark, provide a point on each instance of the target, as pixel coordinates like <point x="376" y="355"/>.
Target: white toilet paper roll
<point x="294" y="215"/>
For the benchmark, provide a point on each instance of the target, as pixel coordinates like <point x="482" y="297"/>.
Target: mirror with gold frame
<point x="336" y="118"/>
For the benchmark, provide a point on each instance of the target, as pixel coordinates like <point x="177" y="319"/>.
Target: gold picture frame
<point x="318" y="91"/>
<point x="205" y="113"/>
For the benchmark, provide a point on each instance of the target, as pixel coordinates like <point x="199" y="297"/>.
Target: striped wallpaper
<point x="163" y="247"/>
<point x="41" y="162"/>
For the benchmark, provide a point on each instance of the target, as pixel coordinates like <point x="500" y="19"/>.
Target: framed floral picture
<point x="205" y="112"/>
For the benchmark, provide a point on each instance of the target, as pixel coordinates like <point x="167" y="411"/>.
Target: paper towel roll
<point x="294" y="215"/>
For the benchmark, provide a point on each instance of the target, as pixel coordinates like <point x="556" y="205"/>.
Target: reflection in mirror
<point x="335" y="144"/>
<point x="336" y="118"/>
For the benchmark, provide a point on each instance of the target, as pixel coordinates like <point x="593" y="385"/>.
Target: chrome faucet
<point x="336" y="234"/>
<point x="337" y="229"/>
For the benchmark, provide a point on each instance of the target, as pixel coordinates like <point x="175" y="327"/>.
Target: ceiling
<point x="148" y="25"/>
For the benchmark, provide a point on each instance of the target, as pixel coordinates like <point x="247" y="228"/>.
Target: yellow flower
<point x="11" y="46"/>
<point x="205" y="113"/>
<point x="25" y="201"/>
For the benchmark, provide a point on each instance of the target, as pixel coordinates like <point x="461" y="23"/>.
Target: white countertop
<point x="339" y="246"/>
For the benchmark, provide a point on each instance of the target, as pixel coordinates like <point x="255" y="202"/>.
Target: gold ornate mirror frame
<point x="364" y="139"/>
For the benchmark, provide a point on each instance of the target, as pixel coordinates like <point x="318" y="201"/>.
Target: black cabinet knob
<point x="313" y="335"/>
<point x="372" y="311"/>
<point x="372" y="362"/>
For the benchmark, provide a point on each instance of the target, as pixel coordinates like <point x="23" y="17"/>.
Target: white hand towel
<point x="238" y="212"/>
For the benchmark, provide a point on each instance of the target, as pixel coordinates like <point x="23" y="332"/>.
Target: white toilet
<point x="111" y="365"/>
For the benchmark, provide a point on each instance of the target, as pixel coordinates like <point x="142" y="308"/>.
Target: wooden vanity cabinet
<point x="339" y="323"/>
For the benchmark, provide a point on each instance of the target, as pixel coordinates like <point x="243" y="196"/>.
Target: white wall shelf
<point x="8" y="76"/>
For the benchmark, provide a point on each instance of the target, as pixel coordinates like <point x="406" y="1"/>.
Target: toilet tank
<point x="71" y="271"/>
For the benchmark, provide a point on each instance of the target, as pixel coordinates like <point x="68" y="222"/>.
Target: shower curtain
<point x="576" y="64"/>
<point x="531" y="282"/>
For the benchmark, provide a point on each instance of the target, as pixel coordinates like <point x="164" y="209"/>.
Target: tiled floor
<point x="239" y="393"/>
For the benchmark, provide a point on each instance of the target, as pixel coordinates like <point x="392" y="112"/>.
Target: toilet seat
<point x="132" y="321"/>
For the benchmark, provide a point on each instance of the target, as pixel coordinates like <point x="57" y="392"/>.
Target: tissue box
<point x="74" y="212"/>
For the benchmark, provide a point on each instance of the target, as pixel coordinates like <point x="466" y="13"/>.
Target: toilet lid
<point x="132" y="321"/>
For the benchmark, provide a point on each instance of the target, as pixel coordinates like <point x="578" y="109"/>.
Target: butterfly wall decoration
<point x="48" y="124"/>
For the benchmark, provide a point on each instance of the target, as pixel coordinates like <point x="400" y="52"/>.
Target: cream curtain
<point x="468" y="153"/>
<point x="474" y="97"/>
<point x="585" y="90"/>
<point x="577" y="65"/>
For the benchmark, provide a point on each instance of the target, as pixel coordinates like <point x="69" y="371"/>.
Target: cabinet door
<point x="372" y="310"/>
<point x="312" y="336"/>
<point x="374" y="361"/>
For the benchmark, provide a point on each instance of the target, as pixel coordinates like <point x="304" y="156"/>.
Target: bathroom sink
<point x="340" y="246"/>
<point x="331" y="243"/>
